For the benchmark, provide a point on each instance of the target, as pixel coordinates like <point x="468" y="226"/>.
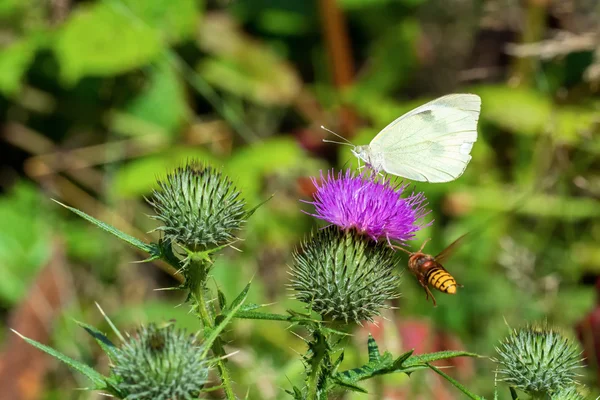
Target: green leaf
<point x="250" y="212"/>
<point x="373" y="349"/>
<point x="110" y="323"/>
<point x="456" y="383"/>
<point x="400" y="360"/>
<point x="239" y="300"/>
<point x="244" y="67"/>
<point x="104" y="342"/>
<point x="148" y="248"/>
<point x="161" y="107"/>
<point x="248" y="165"/>
<point x="350" y="386"/>
<point x="514" y="109"/>
<point x="501" y="199"/>
<point x="381" y="364"/>
<point x="176" y="20"/>
<point x="216" y="331"/>
<point x="222" y="299"/>
<point x="26" y="233"/>
<point x="102" y="40"/>
<point x="260" y="315"/>
<point x="97" y="379"/>
<point x="440" y="355"/>
<point x="513" y="394"/>
<point x="14" y="61"/>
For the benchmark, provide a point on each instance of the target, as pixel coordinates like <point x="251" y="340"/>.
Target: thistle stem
<point x="197" y="276"/>
<point x="319" y="349"/>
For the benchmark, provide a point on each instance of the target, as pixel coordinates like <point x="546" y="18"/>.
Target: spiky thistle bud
<point x="344" y="276"/>
<point x="569" y="393"/>
<point x="160" y="364"/>
<point x="538" y="360"/>
<point x="198" y="206"/>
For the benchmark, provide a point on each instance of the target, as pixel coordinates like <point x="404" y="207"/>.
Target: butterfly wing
<point x="433" y="142"/>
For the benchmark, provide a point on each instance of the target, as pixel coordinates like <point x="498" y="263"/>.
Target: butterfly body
<point x="431" y="143"/>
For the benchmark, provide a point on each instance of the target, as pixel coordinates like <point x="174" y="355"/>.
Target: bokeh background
<point x="99" y="98"/>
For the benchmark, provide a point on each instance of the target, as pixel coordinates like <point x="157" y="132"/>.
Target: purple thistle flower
<point x="372" y="207"/>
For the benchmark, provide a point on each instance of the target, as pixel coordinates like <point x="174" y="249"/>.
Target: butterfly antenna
<point x="346" y="141"/>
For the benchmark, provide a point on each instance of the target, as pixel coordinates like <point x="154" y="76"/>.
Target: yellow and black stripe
<point x="441" y="279"/>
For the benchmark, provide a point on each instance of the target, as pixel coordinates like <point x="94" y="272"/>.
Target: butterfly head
<point x="365" y="153"/>
<point x="362" y="152"/>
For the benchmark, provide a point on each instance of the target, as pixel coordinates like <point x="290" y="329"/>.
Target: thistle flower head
<point x="370" y="206"/>
<point x="198" y="206"/>
<point x="344" y="276"/>
<point x="538" y="360"/>
<point x="160" y="364"/>
<point x="569" y="393"/>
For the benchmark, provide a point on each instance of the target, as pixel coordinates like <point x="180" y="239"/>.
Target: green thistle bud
<point x="343" y="275"/>
<point x="569" y="393"/>
<point x="538" y="361"/>
<point x="160" y="364"/>
<point x="198" y="206"/>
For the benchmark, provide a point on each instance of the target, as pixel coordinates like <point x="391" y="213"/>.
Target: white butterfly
<point x="431" y="143"/>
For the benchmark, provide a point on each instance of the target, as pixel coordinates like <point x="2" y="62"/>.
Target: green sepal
<point x="201" y="255"/>
<point x="103" y="341"/>
<point x="513" y="394"/>
<point x="455" y="383"/>
<point x="164" y="251"/>
<point x="150" y="248"/>
<point x="99" y="381"/>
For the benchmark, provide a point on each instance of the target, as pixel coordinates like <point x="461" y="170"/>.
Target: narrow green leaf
<point x="104" y="342"/>
<point x="222" y="300"/>
<point x="337" y="362"/>
<point x="239" y="300"/>
<point x="98" y="379"/>
<point x="349" y="386"/>
<point x="400" y="360"/>
<point x="148" y="248"/>
<point x="373" y="349"/>
<point x="256" y="207"/>
<point x="330" y="330"/>
<point x="260" y="315"/>
<point x="440" y="355"/>
<point x="110" y="323"/>
<point x="216" y="331"/>
<point x="455" y="383"/>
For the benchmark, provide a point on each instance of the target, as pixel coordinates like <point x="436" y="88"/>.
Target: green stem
<point x="197" y="277"/>
<point x="319" y="349"/>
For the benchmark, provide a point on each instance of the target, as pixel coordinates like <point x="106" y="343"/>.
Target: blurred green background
<point x="99" y="98"/>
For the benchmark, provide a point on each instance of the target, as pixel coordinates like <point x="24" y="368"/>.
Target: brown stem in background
<point x="534" y="28"/>
<point x="22" y="366"/>
<point x="45" y="167"/>
<point x="59" y="10"/>
<point x="340" y="56"/>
